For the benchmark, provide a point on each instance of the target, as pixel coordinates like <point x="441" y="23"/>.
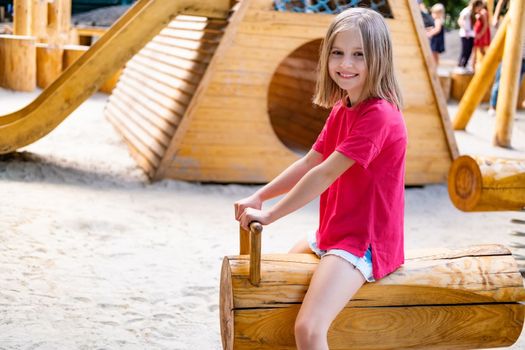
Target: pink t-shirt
<point x="365" y="205"/>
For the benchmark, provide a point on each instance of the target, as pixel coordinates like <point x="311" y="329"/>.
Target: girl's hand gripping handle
<point x="249" y="202"/>
<point x="250" y="243"/>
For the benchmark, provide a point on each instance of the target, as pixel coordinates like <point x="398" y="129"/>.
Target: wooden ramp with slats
<point x="218" y="101"/>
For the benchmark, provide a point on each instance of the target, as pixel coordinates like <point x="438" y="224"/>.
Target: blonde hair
<point x="438" y="8"/>
<point x="377" y="46"/>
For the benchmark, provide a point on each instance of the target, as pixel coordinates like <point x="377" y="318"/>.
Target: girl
<point x="357" y="166"/>
<point x="437" y="33"/>
<point x="466" y="32"/>
<point x="482" y="33"/>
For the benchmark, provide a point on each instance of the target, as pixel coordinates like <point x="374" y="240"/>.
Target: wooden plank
<point x="176" y="96"/>
<point x="134" y="142"/>
<point x="189" y="66"/>
<point x="163" y="117"/>
<point x="201" y="46"/>
<point x="142" y="128"/>
<point x="166" y="69"/>
<point x="201" y="36"/>
<point x="156" y="121"/>
<point x="159" y="81"/>
<point x="137" y="137"/>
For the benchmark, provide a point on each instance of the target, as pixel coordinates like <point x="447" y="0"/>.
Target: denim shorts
<point x="363" y="265"/>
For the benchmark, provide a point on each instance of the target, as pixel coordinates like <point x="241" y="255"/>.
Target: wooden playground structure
<point x="226" y="99"/>
<point x="439" y="299"/>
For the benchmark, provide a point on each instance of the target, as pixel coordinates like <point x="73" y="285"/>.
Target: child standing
<point x="357" y="165"/>
<point x="437" y="33"/>
<point x="481" y="33"/>
<point x="466" y="32"/>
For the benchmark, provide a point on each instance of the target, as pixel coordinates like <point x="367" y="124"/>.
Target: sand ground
<point x="92" y="256"/>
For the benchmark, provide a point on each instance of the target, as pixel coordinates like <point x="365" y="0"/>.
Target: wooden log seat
<point x="17" y="62"/>
<point x="487" y="184"/>
<point x="48" y="64"/>
<point x="439" y="299"/>
<point x="459" y="84"/>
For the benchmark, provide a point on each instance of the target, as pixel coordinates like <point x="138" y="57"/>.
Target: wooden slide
<point x="209" y="100"/>
<point x="125" y="38"/>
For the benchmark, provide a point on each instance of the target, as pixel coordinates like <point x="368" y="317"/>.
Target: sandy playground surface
<point x="94" y="257"/>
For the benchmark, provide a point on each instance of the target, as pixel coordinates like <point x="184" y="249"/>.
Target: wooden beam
<point x="510" y="72"/>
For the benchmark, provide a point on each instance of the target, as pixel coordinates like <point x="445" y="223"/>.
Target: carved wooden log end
<point x="465" y="183"/>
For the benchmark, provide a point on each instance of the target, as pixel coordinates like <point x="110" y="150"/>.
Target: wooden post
<point x="481" y="80"/>
<point x="59" y="21"/>
<point x="48" y="64"/>
<point x="22" y="17"/>
<point x="255" y="253"/>
<point x="250" y="243"/>
<point x="17" y="62"/>
<point x="39" y="20"/>
<point x="510" y="70"/>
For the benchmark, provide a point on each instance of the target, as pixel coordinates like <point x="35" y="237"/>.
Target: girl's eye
<point x="337" y="52"/>
<point x="358" y="54"/>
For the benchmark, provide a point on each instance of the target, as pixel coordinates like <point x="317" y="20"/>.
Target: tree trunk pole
<point x="22" y="17"/>
<point x="39" y="20"/>
<point x="510" y="71"/>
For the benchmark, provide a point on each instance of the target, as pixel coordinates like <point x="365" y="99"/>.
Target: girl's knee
<point x="309" y="331"/>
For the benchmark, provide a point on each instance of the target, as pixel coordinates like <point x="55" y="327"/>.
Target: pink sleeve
<point x="366" y="138"/>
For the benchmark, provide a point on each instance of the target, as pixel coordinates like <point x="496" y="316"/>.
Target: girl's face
<point x="346" y="63"/>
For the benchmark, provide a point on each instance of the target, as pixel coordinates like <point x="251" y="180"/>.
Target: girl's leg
<point x="301" y="247"/>
<point x="468" y="49"/>
<point x="334" y="283"/>
<point x="474" y="57"/>
<point x="495" y="89"/>
<point x="461" y="62"/>
<point x="435" y="54"/>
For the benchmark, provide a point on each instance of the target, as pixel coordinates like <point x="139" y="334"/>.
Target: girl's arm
<point x="311" y="185"/>
<point x="281" y="184"/>
<point x="436" y="29"/>
<point x="461" y="20"/>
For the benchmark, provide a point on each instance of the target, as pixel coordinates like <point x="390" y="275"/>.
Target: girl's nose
<point x="346" y="61"/>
